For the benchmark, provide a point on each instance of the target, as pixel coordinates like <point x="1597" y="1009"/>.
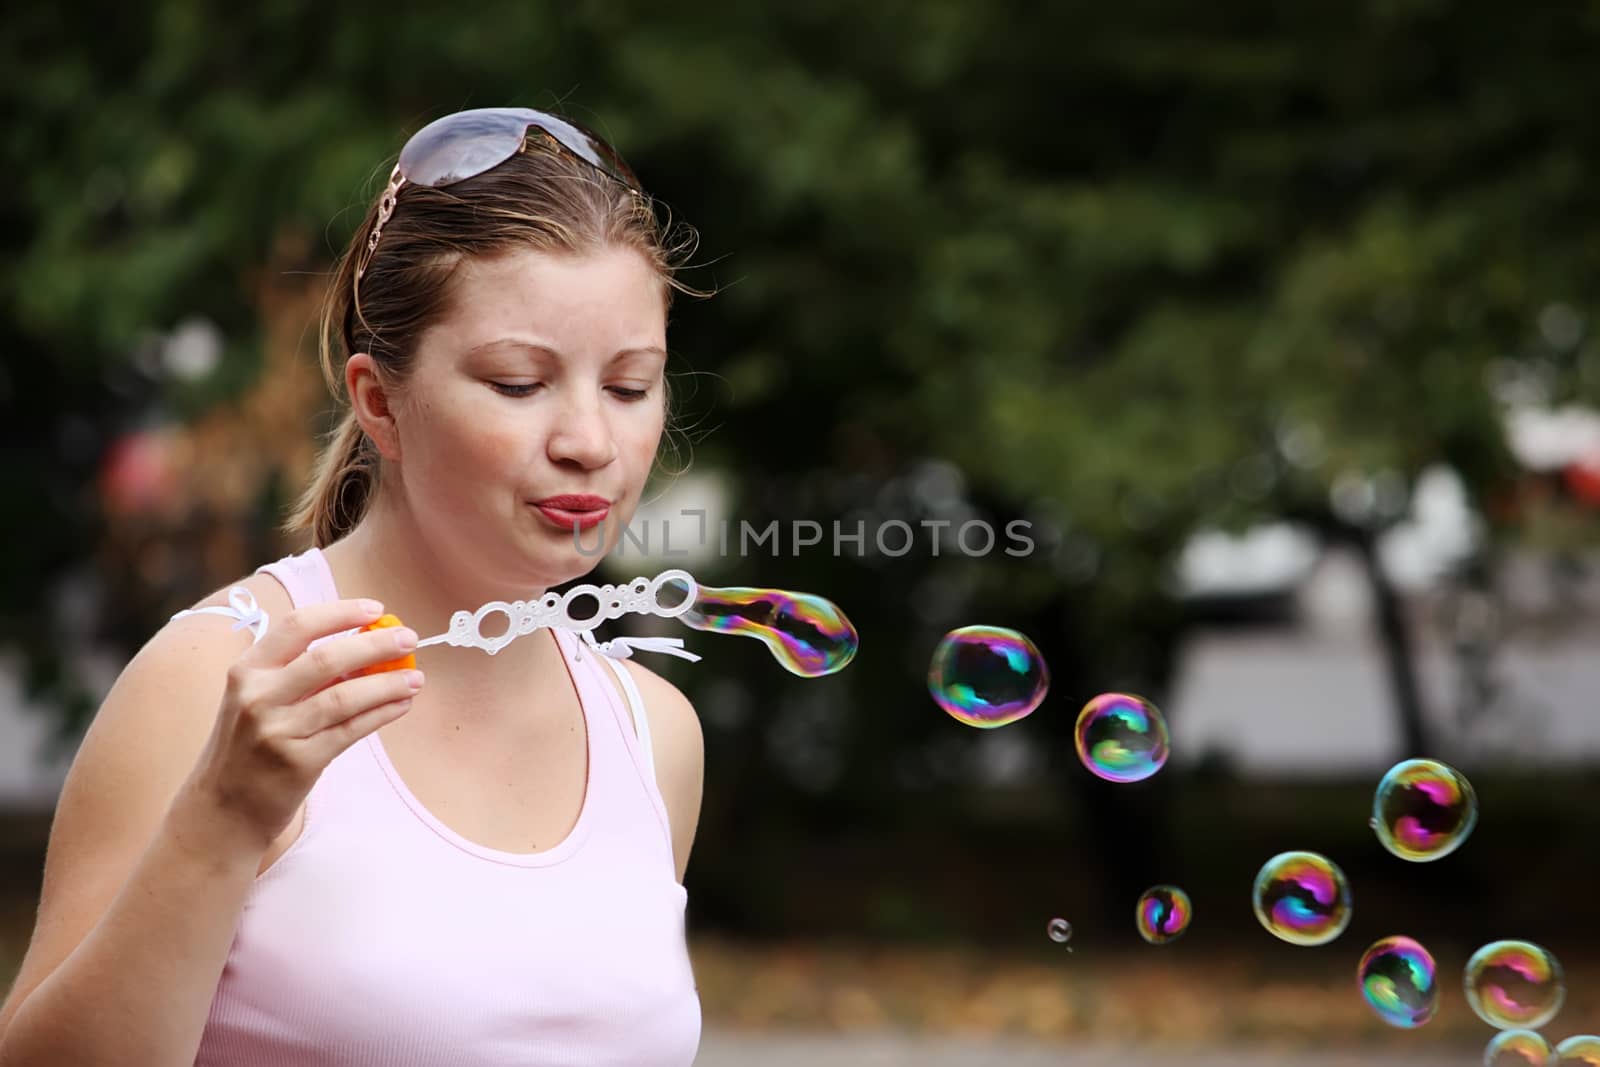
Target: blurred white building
<point x="1314" y="698"/>
<point x="1311" y="695"/>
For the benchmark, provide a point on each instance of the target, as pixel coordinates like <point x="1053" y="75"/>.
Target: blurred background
<point x="1275" y="323"/>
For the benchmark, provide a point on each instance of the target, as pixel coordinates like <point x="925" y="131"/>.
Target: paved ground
<point x="721" y="1049"/>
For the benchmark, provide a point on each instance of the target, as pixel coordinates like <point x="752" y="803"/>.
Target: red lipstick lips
<point x="574" y="510"/>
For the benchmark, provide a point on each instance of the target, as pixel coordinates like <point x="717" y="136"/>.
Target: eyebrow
<point x="534" y="346"/>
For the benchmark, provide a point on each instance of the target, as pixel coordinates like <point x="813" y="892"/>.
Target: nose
<point x="581" y="435"/>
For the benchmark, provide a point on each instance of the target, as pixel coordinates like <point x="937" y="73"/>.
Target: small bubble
<point x="1059" y="931"/>
<point x="1400" y="981"/>
<point x="1517" y="1048"/>
<point x="1515" y="985"/>
<point x="1302" y="898"/>
<point x="1423" y="810"/>
<point x="1122" y="738"/>
<point x="987" y="676"/>
<point x="1580" y="1051"/>
<point x="1163" y="914"/>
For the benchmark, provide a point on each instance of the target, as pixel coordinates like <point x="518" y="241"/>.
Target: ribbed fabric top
<point x="382" y="938"/>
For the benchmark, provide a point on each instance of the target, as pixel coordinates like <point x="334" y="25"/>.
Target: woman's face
<point x="546" y="381"/>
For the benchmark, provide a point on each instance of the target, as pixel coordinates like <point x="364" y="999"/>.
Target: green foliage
<point x="1101" y="257"/>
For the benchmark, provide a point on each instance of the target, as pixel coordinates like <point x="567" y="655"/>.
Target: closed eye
<point x="621" y="392"/>
<point x="505" y="389"/>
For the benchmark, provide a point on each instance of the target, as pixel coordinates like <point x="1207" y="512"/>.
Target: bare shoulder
<point x="269" y="593"/>
<point x="163" y="703"/>
<point x="673" y="720"/>
<point x="157" y="715"/>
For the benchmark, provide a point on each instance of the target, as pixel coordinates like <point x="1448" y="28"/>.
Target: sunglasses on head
<point x="468" y="143"/>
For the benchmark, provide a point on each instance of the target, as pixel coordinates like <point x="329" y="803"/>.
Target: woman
<point x="264" y="854"/>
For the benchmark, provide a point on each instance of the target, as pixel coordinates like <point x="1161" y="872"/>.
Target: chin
<point x="569" y="565"/>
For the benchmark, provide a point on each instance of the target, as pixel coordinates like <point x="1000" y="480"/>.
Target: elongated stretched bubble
<point x="808" y="634"/>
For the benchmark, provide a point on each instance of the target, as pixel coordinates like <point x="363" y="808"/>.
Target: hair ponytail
<point x="342" y="485"/>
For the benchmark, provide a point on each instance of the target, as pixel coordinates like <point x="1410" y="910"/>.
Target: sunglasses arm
<point x="385" y="210"/>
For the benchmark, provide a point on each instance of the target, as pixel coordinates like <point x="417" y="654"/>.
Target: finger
<point x="341" y="735"/>
<point x="330" y="661"/>
<point x="288" y="637"/>
<point x="348" y="698"/>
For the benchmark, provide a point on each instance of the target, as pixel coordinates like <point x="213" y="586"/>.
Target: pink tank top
<point x="381" y="938"/>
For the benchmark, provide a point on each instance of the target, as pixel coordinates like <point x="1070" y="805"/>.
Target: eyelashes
<point x="519" y="391"/>
<point x="513" y="390"/>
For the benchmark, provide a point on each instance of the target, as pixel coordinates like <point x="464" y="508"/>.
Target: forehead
<point x="610" y="296"/>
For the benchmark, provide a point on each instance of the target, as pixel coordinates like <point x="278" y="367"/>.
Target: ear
<point x="371" y="404"/>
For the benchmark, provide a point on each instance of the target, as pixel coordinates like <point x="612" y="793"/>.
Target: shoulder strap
<point x="241" y="607"/>
<point x="641" y="722"/>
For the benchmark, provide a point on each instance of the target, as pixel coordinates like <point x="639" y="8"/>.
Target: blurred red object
<point x="138" y="475"/>
<point x="1583" y="479"/>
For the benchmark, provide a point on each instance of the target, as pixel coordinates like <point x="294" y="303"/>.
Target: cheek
<point x="453" y="443"/>
<point x="643" y="439"/>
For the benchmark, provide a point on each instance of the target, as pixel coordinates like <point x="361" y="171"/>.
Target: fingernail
<point x="414" y="679"/>
<point x="372" y="607"/>
<point x="405" y="639"/>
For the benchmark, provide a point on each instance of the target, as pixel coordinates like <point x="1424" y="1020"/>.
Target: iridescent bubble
<point x="1122" y="738"/>
<point x="1517" y="1048"/>
<point x="1515" y="985"/>
<point x="1580" y="1051"/>
<point x="1302" y="898"/>
<point x="1059" y="930"/>
<point x="1163" y="914"/>
<point x="1400" y="981"/>
<point x="810" y="636"/>
<point x="987" y="676"/>
<point x="1423" y="810"/>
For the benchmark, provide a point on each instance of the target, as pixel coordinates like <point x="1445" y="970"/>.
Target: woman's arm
<point x="144" y="875"/>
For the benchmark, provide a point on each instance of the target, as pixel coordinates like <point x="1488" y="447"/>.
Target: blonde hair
<point x="542" y="199"/>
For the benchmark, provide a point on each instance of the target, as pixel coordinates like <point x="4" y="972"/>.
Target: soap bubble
<point x="1060" y="931"/>
<point x="987" y="676"/>
<point x="1580" y="1051"/>
<point x="1517" y="1048"/>
<point x="1423" y="810"/>
<point x="1163" y="914"/>
<point x="1400" y="981"/>
<point x="1515" y="985"/>
<point x="1122" y="738"/>
<point x="807" y="634"/>
<point x="1302" y="898"/>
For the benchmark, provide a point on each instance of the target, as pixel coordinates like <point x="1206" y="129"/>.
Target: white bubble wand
<point x="553" y="610"/>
